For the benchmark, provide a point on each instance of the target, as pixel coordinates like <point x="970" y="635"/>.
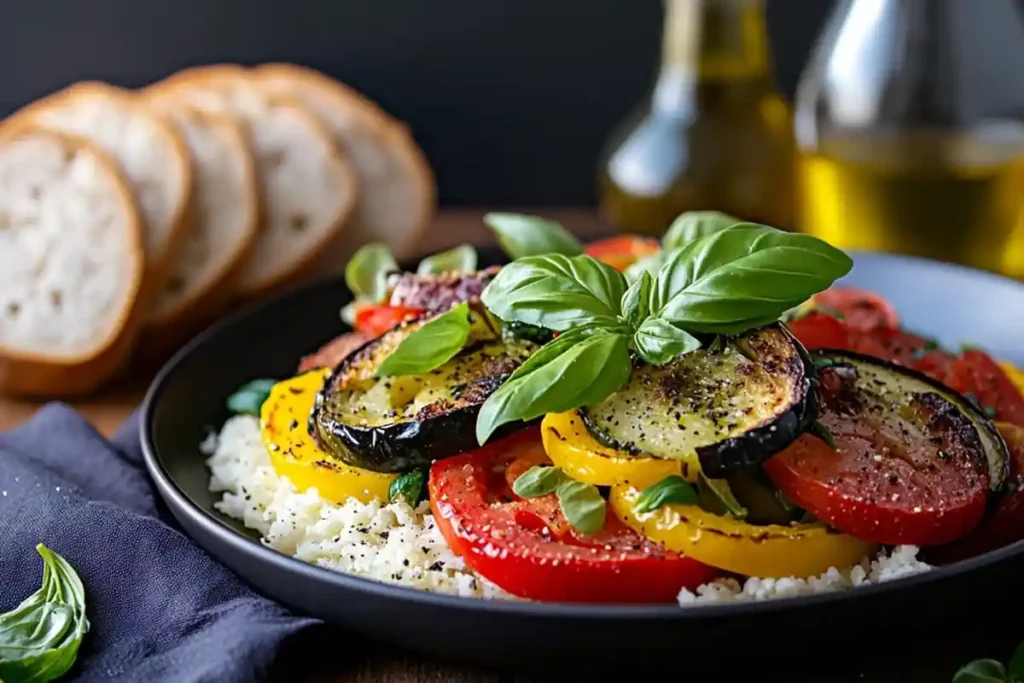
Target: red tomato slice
<point x="895" y="476"/>
<point x="620" y="252"/>
<point x="861" y="310"/>
<point x="1006" y="523"/>
<point x="980" y="376"/>
<point x="376" y="320"/>
<point x="820" y="331"/>
<point x="528" y="548"/>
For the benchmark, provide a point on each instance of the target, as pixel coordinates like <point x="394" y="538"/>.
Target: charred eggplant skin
<point x="996" y="451"/>
<point x="438" y="429"/>
<point x="766" y="436"/>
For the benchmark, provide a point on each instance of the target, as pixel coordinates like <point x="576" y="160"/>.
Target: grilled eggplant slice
<point x="734" y="405"/>
<point x="886" y="392"/>
<point x="438" y="293"/>
<point x="394" y="424"/>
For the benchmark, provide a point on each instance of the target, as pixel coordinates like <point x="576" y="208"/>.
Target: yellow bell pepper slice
<point x="571" y="447"/>
<point x="770" y="551"/>
<point x="284" y="420"/>
<point x="1015" y="374"/>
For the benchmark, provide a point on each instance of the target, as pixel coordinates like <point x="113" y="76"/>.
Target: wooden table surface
<point x="327" y="655"/>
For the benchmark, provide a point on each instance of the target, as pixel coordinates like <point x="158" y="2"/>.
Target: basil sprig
<point x="461" y="259"/>
<point x="671" y="489"/>
<point x="521" y="235"/>
<point x="409" y="486"/>
<point x="686" y="228"/>
<point x="366" y="275"/>
<point x="582" y="504"/>
<point x="435" y="343"/>
<point x="992" y="670"/>
<point x="727" y="282"/>
<point x="39" y="639"/>
<point x="249" y="398"/>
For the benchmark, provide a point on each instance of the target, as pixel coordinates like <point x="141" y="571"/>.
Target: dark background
<point x="511" y="100"/>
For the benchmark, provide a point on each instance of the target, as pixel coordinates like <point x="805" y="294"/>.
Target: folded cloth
<point x="160" y="608"/>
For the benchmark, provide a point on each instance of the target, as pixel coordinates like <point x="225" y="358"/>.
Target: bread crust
<point x="388" y="132"/>
<point x="230" y="75"/>
<point x="35" y="374"/>
<point x="159" y="260"/>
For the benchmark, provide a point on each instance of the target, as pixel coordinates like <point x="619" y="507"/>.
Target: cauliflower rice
<point x="397" y="544"/>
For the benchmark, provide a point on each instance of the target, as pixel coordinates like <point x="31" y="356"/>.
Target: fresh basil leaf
<point x="461" y="259"/>
<point x="435" y="343"/>
<point x="557" y="292"/>
<point x="821" y="431"/>
<point x="39" y="639"/>
<point x="646" y="264"/>
<point x="659" y="341"/>
<point x="582" y="505"/>
<point x="578" y="368"/>
<point x="1016" y="668"/>
<point x="673" y="489"/>
<point x="694" y="225"/>
<point x="982" y="671"/>
<point x="743" y="277"/>
<point x="408" y="486"/>
<point x="539" y="480"/>
<point x="249" y="398"/>
<point x="520" y="235"/>
<point x="366" y="273"/>
<point x="636" y="301"/>
<point x="720" y="496"/>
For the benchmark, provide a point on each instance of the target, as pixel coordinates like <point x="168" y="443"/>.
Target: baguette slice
<point x="398" y="194"/>
<point x="225" y="219"/>
<point x="309" y="189"/>
<point x="71" y="264"/>
<point x="147" y="151"/>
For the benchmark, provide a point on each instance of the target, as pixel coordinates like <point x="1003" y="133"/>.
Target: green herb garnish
<point x="582" y="504"/>
<point x="409" y="487"/>
<point x="822" y="432"/>
<point x="249" y="398"/>
<point x="435" y="343"/>
<point x="520" y="235"/>
<point x="461" y="259"/>
<point x="715" y="284"/>
<point x="722" y="495"/>
<point x="993" y="671"/>
<point x="39" y="639"/>
<point x="366" y="275"/>
<point x="693" y="225"/>
<point x="672" y="489"/>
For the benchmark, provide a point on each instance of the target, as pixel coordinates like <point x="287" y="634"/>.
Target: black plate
<point x="187" y="400"/>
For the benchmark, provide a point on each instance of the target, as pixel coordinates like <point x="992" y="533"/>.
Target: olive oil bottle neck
<point x="718" y="43"/>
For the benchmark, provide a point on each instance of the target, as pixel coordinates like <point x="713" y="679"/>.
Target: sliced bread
<point x="397" y="197"/>
<point x="308" y="187"/>
<point x="225" y="219"/>
<point x="147" y="151"/>
<point x="71" y="264"/>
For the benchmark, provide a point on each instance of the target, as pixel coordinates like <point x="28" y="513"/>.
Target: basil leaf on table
<point x="249" y="398"/>
<point x="366" y="273"/>
<point x="693" y="225"/>
<point x="461" y="259"/>
<point x="672" y="489"/>
<point x="577" y="368"/>
<point x="435" y="343"/>
<point x="39" y="639"/>
<point x="539" y="480"/>
<point x="520" y="235"/>
<point x="743" y="277"/>
<point x="582" y="505"/>
<point x="557" y="292"/>
<point x="659" y="341"/>
<point x="636" y="302"/>
<point x="409" y="487"/>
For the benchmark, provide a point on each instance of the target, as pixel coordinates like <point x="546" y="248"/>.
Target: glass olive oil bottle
<point x="716" y="133"/>
<point x="910" y="127"/>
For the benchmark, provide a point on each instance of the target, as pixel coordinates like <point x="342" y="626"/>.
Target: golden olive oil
<point x="952" y="197"/>
<point x="716" y="133"/>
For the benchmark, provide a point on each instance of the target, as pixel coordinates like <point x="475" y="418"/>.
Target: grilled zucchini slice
<point x="394" y="424"/>
<point x="734" y="405"/>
